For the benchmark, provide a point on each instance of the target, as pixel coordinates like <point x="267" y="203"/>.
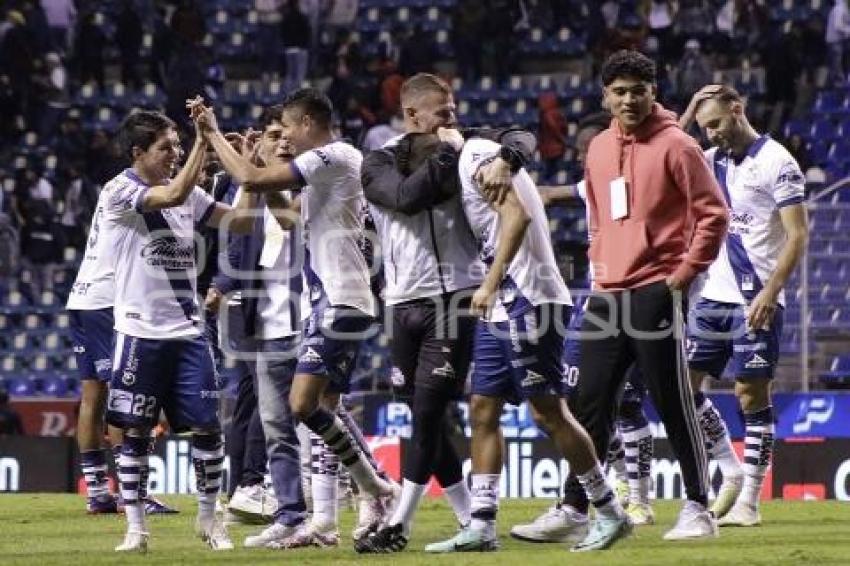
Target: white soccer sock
<point x="135" y="513"/>
<point x="617" y="456"/>
<point x="599" y="493"/>
<point x="638" y="448"/>
<point x="461" y="501"/>
<point x="411" y="495"/>
<point x="325" y="485"/>
<point x="717" y="440"/>
<point x="758" y="452"/>
<point x="485" y="503"/>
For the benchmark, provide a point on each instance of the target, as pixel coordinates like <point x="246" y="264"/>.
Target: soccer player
<point x="431" y="267"/>
<point x="740" y="311"/>
<point x="161" y="360"/>
<point x="524" y="307"/>
<point x="340" y="302"/>
<point x="90" y="308"/>
<point x="657" y="219"/>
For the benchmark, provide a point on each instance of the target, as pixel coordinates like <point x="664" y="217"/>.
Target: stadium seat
<point x="54" y="386"/>
<point x="838" y="376"/>
<point x="20" y="386"/>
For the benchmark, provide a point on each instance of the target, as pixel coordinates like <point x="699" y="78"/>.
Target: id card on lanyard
<point x="619" y="198"/>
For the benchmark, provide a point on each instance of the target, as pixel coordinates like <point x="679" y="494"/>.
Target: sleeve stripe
<point x="140" y="200"/>
<point x="790" y="201"/>
<point x="297" y="172"/>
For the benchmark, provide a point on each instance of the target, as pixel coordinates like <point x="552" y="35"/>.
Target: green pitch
<point x="53" y="529"/>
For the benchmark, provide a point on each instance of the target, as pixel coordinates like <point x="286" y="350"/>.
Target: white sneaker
<point x="694" y="522"/>
<point x="323" y="536"/>
<point x="253" y="503"/>
<point x="741" y="515"/>
<point x="641" y="514"/>
<point x="560" y="523"/>
<point x="231" y="519"/>
<point x="271" y="537"/>
<point x="134" y="541"/>
<point x="214" y="533"/>
<point x="727" y="495"/>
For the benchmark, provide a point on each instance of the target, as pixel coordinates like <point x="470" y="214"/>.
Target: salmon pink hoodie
<point x="677" y="216"/>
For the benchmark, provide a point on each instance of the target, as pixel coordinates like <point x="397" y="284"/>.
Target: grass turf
<point x="46" y="529"/>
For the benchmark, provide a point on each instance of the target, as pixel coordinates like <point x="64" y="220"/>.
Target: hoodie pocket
<point x="619" y="250"/>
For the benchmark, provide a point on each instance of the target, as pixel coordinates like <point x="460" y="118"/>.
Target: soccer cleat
<point x="104" y="504"/>
<point x="641" y="514"/>
<point x="370" y="514"/>
<point x="214" y="533"/>
<point x="134" y="541"/>
<point x="694" y="522"/>
<point x="301" y="537"/>
<point x="603" y="533"/>
<point x="741" y="515"/>
<point x="253" y="504"/>
<point x="621" y="490"/>
<point x="560" y="523"/>
<point x="467" y="540"/>
<point x="156" y="507"/>
<point x="386" y="540"/>
<point x="271" y="535"/>
<point x="727" y="495"/>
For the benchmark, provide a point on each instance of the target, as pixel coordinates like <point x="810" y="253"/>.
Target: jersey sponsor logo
<point x="166" y="252"/>
<point x="80" y="288"/>
<point x="741" y="218"/>
<point x="532" y="378"/>
<point x="103" y="364"/>
<point x="757" y="362"/>
<point x="791" y="174"/>
<point x="79" y="349"/>
<point x="310" y="356"/>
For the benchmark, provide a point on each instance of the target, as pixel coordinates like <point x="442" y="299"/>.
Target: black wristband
<point x="513" y="158"/>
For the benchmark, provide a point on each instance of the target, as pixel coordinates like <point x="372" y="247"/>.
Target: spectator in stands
<point x="188" y="24"/>
<point x="295" y="28"/>
<point x="80" y="198"/>
<point x="88" y="50"/>
<point x="355" y="119"/>
<point x="693" y="72"/>
<point x="163" y="45"/>
<point x="17" y="53"/>
<point x="783" y="65"/>
<point x="268" y="40"/>
<point x="36" y="25"/>
<point x="418" y="52"/>
<point x="552" y="139"/>
<point x="10" y="420"/>
<point x="128" y="35"/>
<point x="837" y="35"/>
<point x="71" y="143"/>
<point x="659" y="16"/>
<point x="498" y="40"/>
<point x="187" y="76"/>
<point x="467" y="27"/>
<point x="379" y="134"/>
<point x="52" y="85"/>
<point x="695" y="19"/>
<point x="61" y="15"/>
<point x="103" y="158"/>
<point x="42" y="239"/>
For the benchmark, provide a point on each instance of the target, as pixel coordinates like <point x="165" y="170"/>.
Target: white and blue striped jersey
<point x="154" y="260"/>
<point x="533" y="270"/>
<point x="94" y="287"/>
<point x="333" y="227"/>
<point x="756" y="188"/>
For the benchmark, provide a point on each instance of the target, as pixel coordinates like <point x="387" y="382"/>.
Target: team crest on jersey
<point x="445" y="371"/>
<point x="757" y="362"/>
<point x="532" y="378"/>
<point x="128" y="378"/>
<point x="323" y="156"/>
<point x="310" y="356"/>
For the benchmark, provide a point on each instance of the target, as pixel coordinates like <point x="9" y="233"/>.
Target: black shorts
<point x="431" y="343"/>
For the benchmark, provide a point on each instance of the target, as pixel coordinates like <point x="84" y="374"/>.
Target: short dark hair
<point x="628" y="63"/>
<point x="311" y="102"/>
<point x="141" y="128"/>
<point x="270" y="114"/>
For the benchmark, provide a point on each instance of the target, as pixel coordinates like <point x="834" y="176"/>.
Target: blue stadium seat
<point x="823" y="128"/>
<point x="838" y="375"/>
<point x="151" y="96"/>
<point x="54" y="386"/>
<point x="20" y="386"/>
